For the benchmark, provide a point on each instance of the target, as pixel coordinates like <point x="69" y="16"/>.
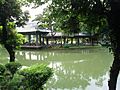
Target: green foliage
<point x="38" y="2"/>
<point x="2" y="1"/>
<point x="2" y="69"/>
<point x="14" y="38"/>
<point x="74" y="16"/>
<point x="7" y="76"/>
<point x="11" y="11"/>
<point x="13" y="67"/>
<point x="20" y="39"/>
<point x="0" y="32"/>
<point x="36" y="76"/>
<point x="31" y="78"/>
<point x="1" y="27"/>
<point x="15" y="82"/>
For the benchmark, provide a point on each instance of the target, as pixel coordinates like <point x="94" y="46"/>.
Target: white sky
<point x="31" y="25"/>
<point x="34" y="11"/>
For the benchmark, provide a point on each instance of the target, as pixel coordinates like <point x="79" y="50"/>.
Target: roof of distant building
<point x="31" y="27"/>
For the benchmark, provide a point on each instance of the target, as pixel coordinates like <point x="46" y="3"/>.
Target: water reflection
<point x="4" y="57"/>
<point x="30" y="55"/>
<point x="74" y="78"/>
<point x="84" y="69"/>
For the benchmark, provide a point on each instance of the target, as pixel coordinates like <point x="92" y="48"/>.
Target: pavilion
<point x="63" y="39"/>
<point x="38" y="38"/>
<point x="34" y="35"/>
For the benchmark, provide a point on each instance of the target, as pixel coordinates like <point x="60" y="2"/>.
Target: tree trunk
<point x="4" y="31"/>
<point x="11" y="52"/>
<point x="8" y="47"/>
<point x="114" y="22"/>
<point x="114" y="72"/>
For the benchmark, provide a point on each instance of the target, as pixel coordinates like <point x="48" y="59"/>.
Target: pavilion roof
<point x="31" y="27"/>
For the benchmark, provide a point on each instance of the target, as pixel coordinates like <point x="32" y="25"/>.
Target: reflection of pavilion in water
<point x="27" y="55"/>
<point x="30" y="55"/>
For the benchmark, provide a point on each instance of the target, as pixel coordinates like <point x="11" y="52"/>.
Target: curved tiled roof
<point x="31" y="27"/>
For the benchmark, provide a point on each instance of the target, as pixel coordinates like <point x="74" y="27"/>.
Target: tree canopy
<point x="94" y="14"/>
<point x="11" y="16"/>
<point x="72" y="15"/>
<point x="11" y="10"/>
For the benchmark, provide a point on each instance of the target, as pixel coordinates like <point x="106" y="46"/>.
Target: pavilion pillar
<point x="37" y="38"/>
<point x="91" y="40"/>
<point x="71" y="40"/>
<point x="61" y="41"/>
<point x="43" y="40"/>
<point x="29" y="38"/>
<point x="78" y="41"/>
<point x="40" y="38"/>
<point x="47" y="41"/>
<point x="64" y="40"/>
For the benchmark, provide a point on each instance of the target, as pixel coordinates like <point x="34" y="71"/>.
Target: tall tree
<point x="46" y="21"/>
<point x="93" y="13"/>
<point x="114" y="24"/>
<point x="10" y="11"/>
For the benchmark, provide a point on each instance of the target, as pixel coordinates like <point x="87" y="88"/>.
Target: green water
<point x="74" y="69"/>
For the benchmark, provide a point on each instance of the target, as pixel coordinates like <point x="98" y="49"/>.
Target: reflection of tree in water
<point x="73" y="69"/>
<point x="68" y="78"/>
<point x="99" y="81"/>
<point x="80" y="73"/>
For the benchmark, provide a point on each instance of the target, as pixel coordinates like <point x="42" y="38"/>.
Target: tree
<point x="114" y="22"/>
<point x="46" y="21"/>
<point x="10" y="11"/>
<point x="95" y="13"/>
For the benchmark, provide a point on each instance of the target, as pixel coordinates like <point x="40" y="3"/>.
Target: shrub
<point x="2" y="69"/>
<point x="15" y="82"/>
<point x="13" y="67"/>
<point x="7" y="74"/>
<point x="31" y="78"/>
<point x="36" y="76"/>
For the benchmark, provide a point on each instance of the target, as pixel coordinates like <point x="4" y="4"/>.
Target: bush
<point x="7" y="74"/>
<point x="2" y="69"/>
<point x="15" y="82"/>
<point x="13" y="67"/>
<point x="31" y="78"/>
<point x="36" y="76"/>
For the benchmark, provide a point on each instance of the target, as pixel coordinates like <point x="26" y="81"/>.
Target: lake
<point x="85" y="68"/>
